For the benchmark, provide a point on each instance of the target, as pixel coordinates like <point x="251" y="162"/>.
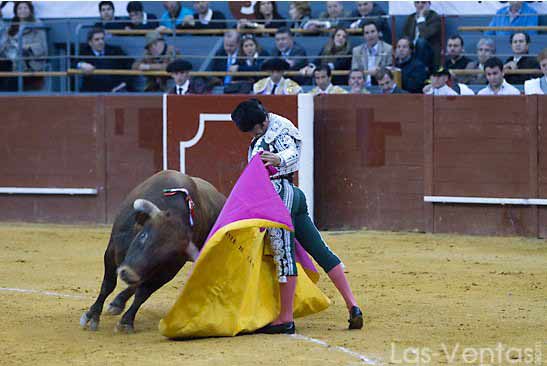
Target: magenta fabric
<point x="254" y="197"/>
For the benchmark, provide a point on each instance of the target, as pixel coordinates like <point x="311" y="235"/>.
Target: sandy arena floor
<point x="429" y="300"/>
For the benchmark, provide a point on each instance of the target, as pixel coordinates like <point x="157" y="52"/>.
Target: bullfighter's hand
<point x="270" y="159"/>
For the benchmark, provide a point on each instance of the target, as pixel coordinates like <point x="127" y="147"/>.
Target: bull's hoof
<point x="87" y="322"/>
<point x="114" y="310"/>
<point x="124" y="328"/>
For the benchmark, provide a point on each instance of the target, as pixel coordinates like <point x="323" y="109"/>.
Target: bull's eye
<point x="143" y="236"/>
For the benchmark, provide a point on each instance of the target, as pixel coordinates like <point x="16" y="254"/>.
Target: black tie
<point x="179" y="90"/>
<point x="273" y="89"/>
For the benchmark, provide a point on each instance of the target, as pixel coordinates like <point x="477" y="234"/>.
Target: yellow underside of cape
<point x="233" y="287"/>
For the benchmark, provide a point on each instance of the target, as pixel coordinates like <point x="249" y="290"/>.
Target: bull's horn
<point x="146" y="206"/>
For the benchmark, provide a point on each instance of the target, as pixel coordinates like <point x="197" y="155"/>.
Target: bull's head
<point x="162" y="239"/>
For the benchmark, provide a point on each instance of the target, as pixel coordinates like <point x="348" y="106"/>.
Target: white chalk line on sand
<point x="41" y="292"/>
<point x="363" y="358"/>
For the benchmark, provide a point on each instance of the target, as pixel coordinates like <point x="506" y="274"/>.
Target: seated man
<point x="454" y="50"/>
<point x="276" y="84"/>
<point x="387" y="84"/>
<point x="538" y="85"/>
<point x="486" y="48"/>
<point x="180" y="73"/>
<point x="139" y="19"/>
<point x="519" y="43"/>
<point x="95" y="56"/>
<point x="439" y="78"/>
<point x="424" y="28"/>
<point x="286" y="48"/>
<point x="108" y="20"/>
<point x="226" y="58"/>
<point x="370" y="10"/>
<point x="205" y="18"/>
<point x="414" y="72"/>
<point x="516" y="14"/>
<point x="334" y="16"/>
<point x="373" y="54"/>
<point x="157" y="56"/>
<point x="175" y="15"/>
<point x="323" y="80"/>
<point x="356" y="82"/>
<point x="493" y="69"/>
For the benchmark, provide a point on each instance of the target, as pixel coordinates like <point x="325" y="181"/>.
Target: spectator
<point x="139" y="19"/>
<point x="486" y="48"/>
<point x="336" y="54"/>
<point x="108" y="20"/>
<point x="424" y="28"/>
<point x="157" y="56"/>
<point x="516" y="14"/>
<point x="356" y="82"/>
<point x="454" y="50"/>
<point x="387" y="83"/>
<point x="323" y="80"/>
<point x="519" y="43"/>
<point x="300" y="13"/>
<point x="33" y="41"/>
<point x="290" y="51"/>
<point x="371" y="10"/>
<point x="276" y="84"/>
<point x="175" y="15"/>
<point x="266" y="16"/>
<point x="494" y="71"/>
<point x="373" y="54"/>
<point x="439" y="78"/>
<point x="95" y="56"/>
<point x="414" y="73"/>
<point x="538" y="85"/>
<point x="226" y="58"/>
<point x="251" y="57"/>
<point x="205" y="18"/>
<point x="179" y="70"/>
<point x="335" y="16"/>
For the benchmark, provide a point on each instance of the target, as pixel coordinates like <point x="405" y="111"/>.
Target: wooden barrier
<point x="376" y="157"/>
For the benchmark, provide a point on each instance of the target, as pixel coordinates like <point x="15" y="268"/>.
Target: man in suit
<point x="285" y="47"/>
<point x="226" y="57"/>
<point x="373" y="54"/>
<point x="94" y="55"/>
<point x="205" y="18"/>
<point x="414" y="73"/>
<point x="538" y="85"/>
<point x="180" y="73"/>
<point x="424" y="28"/>
<point x="387" y="83"/>
<point x="520" y="42"/>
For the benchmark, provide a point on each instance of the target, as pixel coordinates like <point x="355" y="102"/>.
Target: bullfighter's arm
<point x="287" y="150"/>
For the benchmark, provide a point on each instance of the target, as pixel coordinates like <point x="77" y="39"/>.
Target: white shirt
<point x="505" y="89"/>
<point x="182" y="89"/>
<point x="372" y="53"/>
<point x="207" y="18"/>
<point x="533" y="86"/>
<point x="443" y="90"/>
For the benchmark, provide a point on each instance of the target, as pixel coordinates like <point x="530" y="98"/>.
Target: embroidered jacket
<point x="331" y="89"/>
<point x="283" y="139"/>
<point x="284" y="87"/>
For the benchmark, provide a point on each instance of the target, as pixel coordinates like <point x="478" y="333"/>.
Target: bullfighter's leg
<point x="90" y="319"/>
<point x="141" y="295"/>
<point x="116" y="307"/>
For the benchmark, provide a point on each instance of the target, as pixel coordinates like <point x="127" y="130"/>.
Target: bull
<point x="154" y="234"/>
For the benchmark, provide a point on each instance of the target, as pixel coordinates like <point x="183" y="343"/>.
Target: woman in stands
<point x="300" y="13"/>
<point x="252" y="55"/>
<point x="336" y="54"/>
<point x="33" y="41"/>
<point x="266" y="16"/>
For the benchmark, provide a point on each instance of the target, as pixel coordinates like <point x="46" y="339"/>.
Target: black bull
<point x="152" y="238"/>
